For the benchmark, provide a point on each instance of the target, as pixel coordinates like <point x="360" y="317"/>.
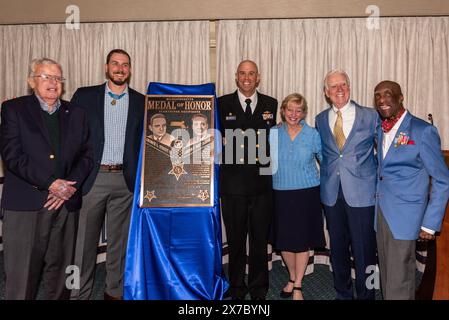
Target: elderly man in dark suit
<point x="45" y="150"/>
<point x="245" y="189"/>
<point x="116" y="115"/>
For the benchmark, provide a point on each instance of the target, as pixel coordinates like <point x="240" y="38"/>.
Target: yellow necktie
<point x="338" y="131"/>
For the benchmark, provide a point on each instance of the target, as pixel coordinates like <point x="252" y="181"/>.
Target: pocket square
<point x="403" y="139"/>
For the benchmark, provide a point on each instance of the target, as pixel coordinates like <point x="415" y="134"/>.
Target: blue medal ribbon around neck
<point x="116" y="96"/>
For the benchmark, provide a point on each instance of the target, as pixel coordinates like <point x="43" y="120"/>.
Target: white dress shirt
<point x="348" y="115"/>
<point x="253" y="98"/>
<point x="389" y="136"/>
<point x="386" y="144"/>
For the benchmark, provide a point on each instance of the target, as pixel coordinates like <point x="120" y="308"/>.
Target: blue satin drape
<point x="175" y="253"/>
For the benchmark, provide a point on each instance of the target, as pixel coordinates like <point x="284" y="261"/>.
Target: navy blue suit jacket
<point x="92" y="99"/>
<point x="29" y="158"/>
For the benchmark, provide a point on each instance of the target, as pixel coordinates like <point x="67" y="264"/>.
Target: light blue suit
<point x="348" y="185"/>
<point x="403" y="181"/>
<point x="355" y="165"/>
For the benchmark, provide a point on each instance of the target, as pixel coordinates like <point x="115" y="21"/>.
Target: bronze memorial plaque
<point x="178" y="162"/>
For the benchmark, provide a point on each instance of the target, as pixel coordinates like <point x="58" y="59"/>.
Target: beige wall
<point x="51" y="11"/>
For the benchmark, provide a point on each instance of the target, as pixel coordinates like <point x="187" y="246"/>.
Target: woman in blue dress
<point x="297" y="219"/>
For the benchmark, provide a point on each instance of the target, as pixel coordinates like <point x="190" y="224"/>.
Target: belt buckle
<point x="115" y="168"/>
<point x="112" y="167"/>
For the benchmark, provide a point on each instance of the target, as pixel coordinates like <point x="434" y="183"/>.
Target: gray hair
<point x="35" y="62"/>
<point x="331" y="73"/>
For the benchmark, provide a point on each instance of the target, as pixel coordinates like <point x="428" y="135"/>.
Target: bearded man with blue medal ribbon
<point x="115" y="113"/>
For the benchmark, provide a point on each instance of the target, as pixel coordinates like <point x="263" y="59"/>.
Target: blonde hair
<point x="296" y="98"/>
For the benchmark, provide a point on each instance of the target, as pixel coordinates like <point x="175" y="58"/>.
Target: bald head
<point x="249" y="62"/>
<point x="247" y="77"/>
<point x="393" y="86"/>
<point x="388" y="99"/>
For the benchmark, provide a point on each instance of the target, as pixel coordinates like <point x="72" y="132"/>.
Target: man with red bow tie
<point x="409" y="152"/>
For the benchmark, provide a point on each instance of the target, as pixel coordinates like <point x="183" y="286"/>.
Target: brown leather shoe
<point x="108" y="297"/>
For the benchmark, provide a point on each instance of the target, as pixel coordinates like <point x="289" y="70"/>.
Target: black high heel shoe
<point x="286" y="294"/>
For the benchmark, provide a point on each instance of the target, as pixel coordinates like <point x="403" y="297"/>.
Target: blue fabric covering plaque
<point x="175" y="253"/>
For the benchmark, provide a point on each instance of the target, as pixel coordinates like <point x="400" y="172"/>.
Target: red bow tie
<point x="387" y="124"/>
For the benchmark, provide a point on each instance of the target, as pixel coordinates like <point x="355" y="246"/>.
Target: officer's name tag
<point x="231" y="117"/>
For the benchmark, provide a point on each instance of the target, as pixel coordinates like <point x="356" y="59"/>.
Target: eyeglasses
<point x="47" y="77"/>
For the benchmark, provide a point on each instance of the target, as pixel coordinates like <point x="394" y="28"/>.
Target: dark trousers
<point x="38" y="243"/>
<point x="351" y="231"/>
<point x="247" y="216"/>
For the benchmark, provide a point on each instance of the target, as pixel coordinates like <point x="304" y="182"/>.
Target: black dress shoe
<point x="109" y="297"/>
<point x="227" y="295"/>
<point x="286" y="294"/>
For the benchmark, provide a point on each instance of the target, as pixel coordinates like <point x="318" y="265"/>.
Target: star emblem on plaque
<point x="177" y="170"/>
<point x="203" y="195"/>
<point x="150" y="195"/>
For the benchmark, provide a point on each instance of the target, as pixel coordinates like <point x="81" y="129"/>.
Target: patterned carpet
<point x="316" y="286"/>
